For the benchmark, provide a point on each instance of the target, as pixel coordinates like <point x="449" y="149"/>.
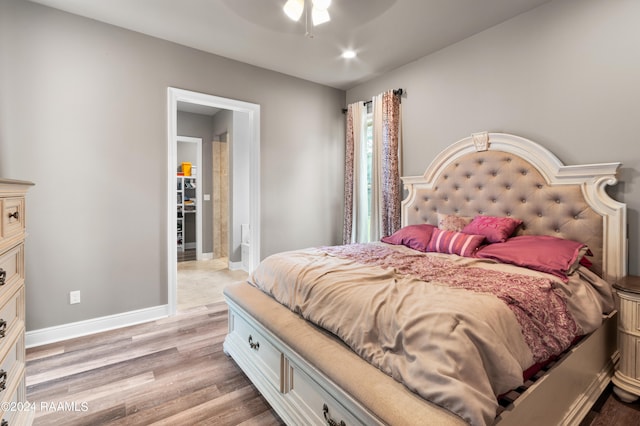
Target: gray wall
<point x="565" y="75"/>
<point x="83" y="114"/>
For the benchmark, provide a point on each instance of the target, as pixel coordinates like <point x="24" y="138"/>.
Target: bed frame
<point x="310" y="377"/>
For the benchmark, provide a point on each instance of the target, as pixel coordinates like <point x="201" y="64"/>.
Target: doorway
<point x="244" y="171"/>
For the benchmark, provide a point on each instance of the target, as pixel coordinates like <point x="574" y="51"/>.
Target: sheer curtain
<point x="355" y="182"/>
<point x="372" y="185"/>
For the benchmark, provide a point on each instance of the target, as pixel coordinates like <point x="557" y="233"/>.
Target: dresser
<point x="14" y="408"/>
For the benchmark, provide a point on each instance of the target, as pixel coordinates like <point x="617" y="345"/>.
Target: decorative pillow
<point x="581" y="260"/>
<point x="494" y="229"/>
<point x="451" y="222"/>
<point x="586" y="262"/>
<point x="452" y="242"/>
<point x="543" y="253"/>
<point x="413" y="236"/>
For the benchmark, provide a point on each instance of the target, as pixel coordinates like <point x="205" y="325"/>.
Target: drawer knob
<point x="328" y="419"/>
<point x="3" y="276"/>
<point x="15" y="215"/>
<point x="255" y="346"/>
<point x="3" y="380"/>
<point x="3" y="328"/>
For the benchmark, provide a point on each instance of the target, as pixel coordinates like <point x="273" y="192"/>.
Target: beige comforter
<point x="456" y="347"/>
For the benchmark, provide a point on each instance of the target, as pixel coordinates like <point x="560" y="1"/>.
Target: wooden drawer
<point x="12" y="222"/>
<point x="10" y="415"/>
<point x="11" y="317"/>
<point x="20" y="412"/>
<point x="9" y="370"/>
<point x="259" y="351"/>
<point x="11" y="267"/>
<point x="313" y="403"/>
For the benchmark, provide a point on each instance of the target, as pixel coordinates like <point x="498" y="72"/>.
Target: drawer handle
<point x="329" y="420"/>
<point x="3" y="380"/>
<point x="254" y="346"/>
<point x="15" y="215"/>
<point x="4" y="423"/>
<point x="3" y="328"/>
<point x="3" y="276"/>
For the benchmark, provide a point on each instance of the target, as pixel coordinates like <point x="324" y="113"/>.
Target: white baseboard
<point x="236" y="266"/>
<point x="95" y="325"/>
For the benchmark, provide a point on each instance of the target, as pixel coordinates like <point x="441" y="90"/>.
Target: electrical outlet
<point x="74" y="297"/>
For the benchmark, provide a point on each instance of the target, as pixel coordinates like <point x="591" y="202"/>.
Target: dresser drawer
<point x="260" y="352"/>
<point x="9" y="368"/>
<point x="10" y="415"/>
<point x="19" y="412"/>
<point x="313" y="403"/>
<point x="10" y="314"/>
<point x="11" y="267"/>
<point x="12" y="222"/>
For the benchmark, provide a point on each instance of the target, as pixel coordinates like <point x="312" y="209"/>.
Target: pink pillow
<point x="451" y="222"/>
<point x="543" y="253"/>
<point x="413" y="236"/>
<point x="452" y="242"/>
<point x="494" y="229"/>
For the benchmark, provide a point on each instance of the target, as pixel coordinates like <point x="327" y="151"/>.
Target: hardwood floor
<point x="610" y="411"/>
<point x="170" y="371"/>
<point x="173" y="372"/>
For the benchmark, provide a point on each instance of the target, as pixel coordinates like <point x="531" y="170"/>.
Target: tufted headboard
<point x="498" y="174"/>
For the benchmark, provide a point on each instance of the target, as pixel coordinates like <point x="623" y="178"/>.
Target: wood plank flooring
<point x="167" y="372"/>
<point x="173" y="372"/>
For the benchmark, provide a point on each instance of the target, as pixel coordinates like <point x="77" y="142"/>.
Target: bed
<point x="460" y="343"/>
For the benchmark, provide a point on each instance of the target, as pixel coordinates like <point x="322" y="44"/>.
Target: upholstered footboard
<point x="301" y="369"/>
<point x="310" y="377"/>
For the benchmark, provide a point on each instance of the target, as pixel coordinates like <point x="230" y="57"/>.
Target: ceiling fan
<point x="319" y="12"/>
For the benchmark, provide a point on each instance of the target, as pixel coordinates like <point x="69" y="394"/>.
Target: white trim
<point x="207" y="256"/>
<point x="58" y="333"/>
<point x="174" y="96"/>
<point x="235" y="266"/>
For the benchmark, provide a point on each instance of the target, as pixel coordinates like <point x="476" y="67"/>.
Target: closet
<point x="185" y="211"/>
<point x="189" y="203"/>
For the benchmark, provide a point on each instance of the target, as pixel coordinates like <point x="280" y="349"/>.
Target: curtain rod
<point x="397" y="92"/>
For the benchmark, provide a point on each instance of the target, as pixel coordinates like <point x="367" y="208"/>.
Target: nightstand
<point x="626" y="379"/>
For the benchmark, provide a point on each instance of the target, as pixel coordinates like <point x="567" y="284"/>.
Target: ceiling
<point x="385" y="34"/>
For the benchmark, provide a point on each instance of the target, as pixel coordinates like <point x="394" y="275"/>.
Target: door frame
<point x="175" y="95"/>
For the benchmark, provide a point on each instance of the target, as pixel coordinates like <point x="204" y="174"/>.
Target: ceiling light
<point x="320" y="16"/>
<point x="349" y="54"/>
<point x="321" y="4"/>
<point x="294" y="9"/>
<point x="318" y="13"/>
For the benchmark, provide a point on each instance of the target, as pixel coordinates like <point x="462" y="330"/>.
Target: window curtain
<point x="370" y="216"/>
<point x="387" y="129"/>
<point x="354" y="181"/>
